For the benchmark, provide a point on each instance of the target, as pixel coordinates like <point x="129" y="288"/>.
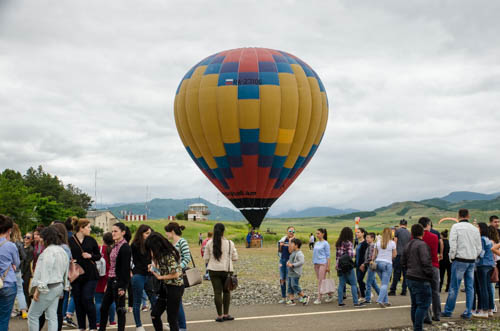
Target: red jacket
<point x="433" y="242"/>
<point x="101" y="283"/>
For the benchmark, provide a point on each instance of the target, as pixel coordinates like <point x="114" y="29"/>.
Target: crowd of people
<point x="420" y="256"/>
<point x="60" y="270"/>
<point x="56" y="271"/>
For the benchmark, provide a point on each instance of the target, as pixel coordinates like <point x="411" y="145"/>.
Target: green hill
<point x="162" y="208"/>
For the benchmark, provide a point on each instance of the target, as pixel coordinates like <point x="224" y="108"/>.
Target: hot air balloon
<point x="251" y="119"/>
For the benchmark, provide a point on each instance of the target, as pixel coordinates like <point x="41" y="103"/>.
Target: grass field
<point x="385" y="217"/>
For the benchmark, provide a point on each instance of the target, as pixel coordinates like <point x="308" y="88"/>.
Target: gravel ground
<point x="473" y="325"/>
<point x="258" y="277"/>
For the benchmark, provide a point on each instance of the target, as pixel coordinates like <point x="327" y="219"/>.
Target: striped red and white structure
<point x="136" y="217"/>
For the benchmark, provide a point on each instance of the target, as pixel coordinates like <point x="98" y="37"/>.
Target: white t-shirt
<point x="311" y="239"/>
<point x="385" y="254"/>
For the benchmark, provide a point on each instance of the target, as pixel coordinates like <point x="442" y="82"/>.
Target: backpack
<point x="346" y="264"/>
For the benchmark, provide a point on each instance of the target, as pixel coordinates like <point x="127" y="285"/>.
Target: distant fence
<point x="136" y="217"/>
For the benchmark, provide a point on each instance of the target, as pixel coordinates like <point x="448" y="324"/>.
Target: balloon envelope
<point x="251" y="119"/>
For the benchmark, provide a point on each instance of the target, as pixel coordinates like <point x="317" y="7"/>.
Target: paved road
<point x="279" y="317"/>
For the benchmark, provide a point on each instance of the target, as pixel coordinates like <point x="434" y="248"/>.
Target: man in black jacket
<point x="417" y="261"/>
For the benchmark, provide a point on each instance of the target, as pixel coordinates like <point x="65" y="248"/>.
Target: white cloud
<point x="413" y="90"/>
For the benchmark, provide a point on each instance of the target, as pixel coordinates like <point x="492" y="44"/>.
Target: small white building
<point x="103" y="219"/>
<point x="197" y="212"/>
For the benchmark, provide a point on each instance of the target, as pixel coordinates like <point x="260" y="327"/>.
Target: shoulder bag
<point x="327" y="285"/>
<point x="494" y="275"/>
<point x="191" y="276"/>
<point x="232" y="279"/>
<point x="6" y="271"/>
<point x="75" y="270"/>
<point x="101" y="265"/>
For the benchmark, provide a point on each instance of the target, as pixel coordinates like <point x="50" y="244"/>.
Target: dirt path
<point x="280" y="317"/>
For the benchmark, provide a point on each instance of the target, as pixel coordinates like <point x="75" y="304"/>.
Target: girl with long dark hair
<point x="445" y="264"/>
<point x="168" y="271"/>
<point x="321" y="261"/>
<point x="174" y="233"/>
<point x="141" y="280"/>
<point x="345" y="252"/>
<point x="119" y="277"/>
<point x="220" y="253"/>
<point x="85" y="251"/>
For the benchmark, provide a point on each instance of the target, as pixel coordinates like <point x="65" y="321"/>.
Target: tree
<point x="179" y="216"/>
<point x="96" y="230"/>
<point x="15" y="199"/>
<point x="49" y="210"/>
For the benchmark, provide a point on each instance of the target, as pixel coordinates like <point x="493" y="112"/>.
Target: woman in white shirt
<point x="220" y="254"/>
<point x="49" y="280"/>
<point x="385" y="251"/>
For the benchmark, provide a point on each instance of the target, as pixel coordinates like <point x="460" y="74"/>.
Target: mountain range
<point x="162" y="208"/>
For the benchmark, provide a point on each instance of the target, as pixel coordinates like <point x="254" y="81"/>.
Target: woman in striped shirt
<point x="174" y="233"/>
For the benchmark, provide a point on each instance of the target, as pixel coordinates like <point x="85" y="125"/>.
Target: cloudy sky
<point x="414" y="91"/>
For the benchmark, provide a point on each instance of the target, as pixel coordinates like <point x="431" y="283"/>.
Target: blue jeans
<point x="139" y="284"/>
<point x="484" y="288"/>
<point x="98" y="302"/>
<point x="460" y="270"/>
<point x="421" y="297"/>
<point x="7" y="298"/>
<point x="350" y="279"/>
<point x="21" y="300"/>
<point x="371" y="281"/>
<point x="293" y="285"/>
<point x="384" y="270"/>
<point x="70" y="308"/>
<point x="181" y="317"/>
<point x="283" y="275"/>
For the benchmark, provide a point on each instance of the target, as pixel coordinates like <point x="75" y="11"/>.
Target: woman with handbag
<point x="49" y="281"/>
<point x="118" y="276"/>
<point x="167" y="270"/>
<point x="321" y="261"/>
<point x="141" y="282"/>
<point x="174" y="233"/>
<point x="85" y="251"/>
<point x="220" y="253"/>
<point x="345" y="266"/>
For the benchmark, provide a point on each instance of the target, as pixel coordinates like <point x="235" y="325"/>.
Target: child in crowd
<point x="294" y="264"/>
<point x="371" y="281"/>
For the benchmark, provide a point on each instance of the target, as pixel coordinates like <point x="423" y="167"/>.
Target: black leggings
<point x="222" y="297"/>
<point x="110" y="296"/>
<point x="169" y="299"/>
<point x="444" y="267"/>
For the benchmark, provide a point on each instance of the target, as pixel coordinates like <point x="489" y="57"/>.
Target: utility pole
<point x="95" y="189"/>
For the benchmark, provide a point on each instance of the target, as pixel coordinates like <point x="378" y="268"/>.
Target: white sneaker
<point x="140" y="328"/>
<point x="283" y="300"/>
<point x="490" y="314"/>
<point x="329" y="299"/>
<point x="317" y="302"/>
<point x="480" y="315"/>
